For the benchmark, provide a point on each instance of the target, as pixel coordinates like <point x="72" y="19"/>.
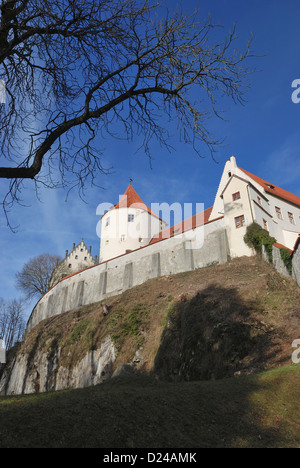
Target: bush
<point x="256" y="237"/>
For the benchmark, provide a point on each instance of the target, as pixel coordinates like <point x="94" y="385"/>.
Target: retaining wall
<point x="296" y="264"/>
<point x="194" y="249"/>
<point x="279" y="265"/>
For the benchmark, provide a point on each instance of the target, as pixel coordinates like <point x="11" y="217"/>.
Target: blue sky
<point x="264" y="135"/>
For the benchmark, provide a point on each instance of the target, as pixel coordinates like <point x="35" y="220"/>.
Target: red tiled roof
<point x="131" y="198"/>
<point x="281" y="246"/>
<point x="274" y="190"/>
<point x="296" y="243"/>
<point x="197" y="220"/>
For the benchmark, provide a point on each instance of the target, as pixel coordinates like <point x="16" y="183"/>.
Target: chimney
<point x="73" y="245"/>
<point x="66" y="253"/>
<point x="233" y="163"/>
<point x="90" y="249"/>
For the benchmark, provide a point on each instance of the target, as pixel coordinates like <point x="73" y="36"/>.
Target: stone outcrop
<point x="43" y="372"/>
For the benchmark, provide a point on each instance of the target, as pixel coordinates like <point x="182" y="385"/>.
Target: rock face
<point x="43" y="371"/>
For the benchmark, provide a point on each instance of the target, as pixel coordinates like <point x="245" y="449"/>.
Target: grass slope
<point x="140" y="412"/>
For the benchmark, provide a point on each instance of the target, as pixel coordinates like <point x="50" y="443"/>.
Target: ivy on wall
<point x="256" y="237"/>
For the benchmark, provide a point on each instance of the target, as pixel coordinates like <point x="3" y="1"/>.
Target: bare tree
<point x="76" y="72"/>
<point x="36" y="276"/>
<point x="12" y="322"/>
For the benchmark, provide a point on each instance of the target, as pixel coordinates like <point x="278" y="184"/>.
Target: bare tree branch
<point x="74" y="71"/>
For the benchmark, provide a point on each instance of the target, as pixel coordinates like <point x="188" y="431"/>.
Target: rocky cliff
<point x="43" y="371"/>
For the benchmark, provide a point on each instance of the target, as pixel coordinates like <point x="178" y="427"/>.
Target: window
<point x="85" y="258"/>
<point x="239" y="221"/>
<point x="259" y="200"/>
<point x="229" y="174"/>
<point x="278" y="212"/>
<point x="107" y="222"/>
<point x="236" y="196"/>
<point x="291" y="218"/>
<point x="265" y="225"/>
<point x="76" y="257"/>
<point x="70" y="265"/>
<point x="130" y="218"/>
<point x="123" y="237"/>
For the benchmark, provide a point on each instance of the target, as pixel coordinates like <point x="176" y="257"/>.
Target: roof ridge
<point x="274" y="189"/>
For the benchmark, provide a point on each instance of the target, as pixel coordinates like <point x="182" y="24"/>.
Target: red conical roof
<point x="132" y="199"/>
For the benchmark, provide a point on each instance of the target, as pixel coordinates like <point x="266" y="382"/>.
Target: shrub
<point x="256" y="237"/>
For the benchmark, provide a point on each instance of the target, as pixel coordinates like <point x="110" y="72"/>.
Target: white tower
<point x="127" y="226"/>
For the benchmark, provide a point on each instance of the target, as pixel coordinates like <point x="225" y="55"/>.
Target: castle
<point x="136" y="244"/>
<point x="242" y="198"/>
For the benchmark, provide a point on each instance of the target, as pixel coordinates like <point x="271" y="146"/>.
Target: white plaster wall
<point x="120" y="235"/>
<point x="283" y="230"/>
<point x="229" y="170"/>
<point x="233" y="209"/>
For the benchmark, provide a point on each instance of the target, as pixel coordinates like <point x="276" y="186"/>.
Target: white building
<point x="242" y="198"/>
<point x="127" y="226"/>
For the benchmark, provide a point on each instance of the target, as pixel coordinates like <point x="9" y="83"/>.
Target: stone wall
<point x="194" y="249"/>
<point x="279" y="265"/>
<point x="296" y="264"/>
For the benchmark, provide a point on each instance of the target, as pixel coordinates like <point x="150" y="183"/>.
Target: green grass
<point x="140" y="412"/>
<point x="122" y="324"/>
